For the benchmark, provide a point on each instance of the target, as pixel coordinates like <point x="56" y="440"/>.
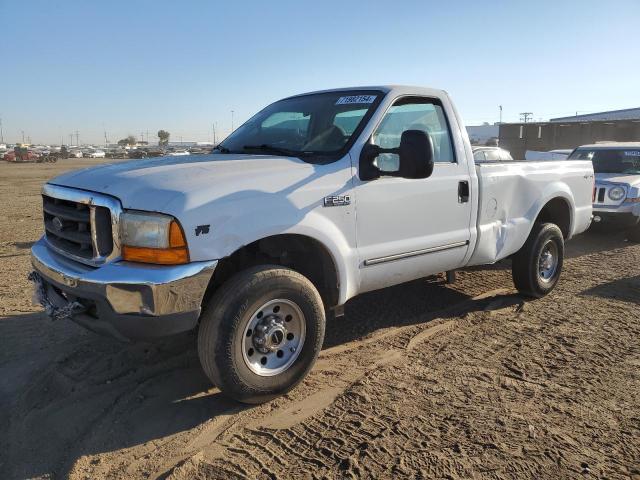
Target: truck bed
<point x="512" y="194"/>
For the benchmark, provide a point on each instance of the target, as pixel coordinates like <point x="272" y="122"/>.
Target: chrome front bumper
<point x="124" y="299"/>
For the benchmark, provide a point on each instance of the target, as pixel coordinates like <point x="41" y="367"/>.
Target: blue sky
<point x="131" y="66"/>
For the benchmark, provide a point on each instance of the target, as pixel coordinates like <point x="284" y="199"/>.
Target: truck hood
<point x="632" y="180"/>
<point x="153" y="184"/>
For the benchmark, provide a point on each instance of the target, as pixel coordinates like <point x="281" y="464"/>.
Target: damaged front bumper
<point x="123" y="299"/>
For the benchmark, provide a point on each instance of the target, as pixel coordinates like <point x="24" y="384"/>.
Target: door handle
<point x="463" y="191"/>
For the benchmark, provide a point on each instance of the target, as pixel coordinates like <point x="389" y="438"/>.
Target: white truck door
<point x="408" y="228"/>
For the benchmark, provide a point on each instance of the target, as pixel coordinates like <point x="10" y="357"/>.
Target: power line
<point x="525" y="116"/>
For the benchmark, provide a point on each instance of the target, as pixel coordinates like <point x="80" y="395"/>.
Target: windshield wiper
<point x="277" y="150"/>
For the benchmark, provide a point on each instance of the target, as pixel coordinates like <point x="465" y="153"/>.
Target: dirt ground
<point x="422" y="380"/>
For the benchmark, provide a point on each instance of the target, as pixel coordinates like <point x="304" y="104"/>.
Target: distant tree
<point x="130" y="140"/>
<point x="163" y="136"/>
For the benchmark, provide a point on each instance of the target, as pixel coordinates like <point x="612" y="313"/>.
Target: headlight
<point x="152" y="238"/>
<point x="616" y="193"/>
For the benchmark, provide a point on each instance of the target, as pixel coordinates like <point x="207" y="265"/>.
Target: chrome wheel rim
<point x="548" y="261"/>
<point x="273" y="337"/>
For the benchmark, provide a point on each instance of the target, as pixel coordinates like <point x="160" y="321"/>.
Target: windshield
<point x="319" y="125"/>
<point x="619" y="160"/>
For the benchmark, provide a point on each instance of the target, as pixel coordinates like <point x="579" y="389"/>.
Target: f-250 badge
<point x="337" y="200"/>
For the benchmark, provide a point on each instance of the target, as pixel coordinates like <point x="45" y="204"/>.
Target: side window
<point x="493" y="154"/>
<point x="413" y="114"/>
<point x="479" y="155"/>
<point x="504" y="155"/>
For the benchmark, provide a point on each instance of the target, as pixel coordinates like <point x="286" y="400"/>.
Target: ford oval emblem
<point x="57" y="224"/>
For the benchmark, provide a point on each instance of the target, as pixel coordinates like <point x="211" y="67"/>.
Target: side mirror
<point x="368" y="154"/>
<point x="415" y="155"/>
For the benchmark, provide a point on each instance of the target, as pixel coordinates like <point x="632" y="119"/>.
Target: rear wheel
<point x="261" y="333"/>
<point x="536" y="267"/>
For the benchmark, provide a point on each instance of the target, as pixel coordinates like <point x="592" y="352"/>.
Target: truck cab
<point x="315" y="199"/>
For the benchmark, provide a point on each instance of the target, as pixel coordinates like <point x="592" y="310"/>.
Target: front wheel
<point x="261" y="333"/>
<point x="536" y="267"/>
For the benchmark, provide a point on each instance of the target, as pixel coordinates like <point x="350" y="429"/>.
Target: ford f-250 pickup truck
<point x="317" y="198"/>
<point x="616" y="198"/>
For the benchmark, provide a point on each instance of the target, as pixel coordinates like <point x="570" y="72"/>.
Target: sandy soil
<point x="422" y="380"/>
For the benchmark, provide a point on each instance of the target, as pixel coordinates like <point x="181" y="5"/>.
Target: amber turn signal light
<point x="176" y="254"/>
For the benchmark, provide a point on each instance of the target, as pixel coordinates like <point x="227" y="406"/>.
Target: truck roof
<point x="609" y="145"/>
<point x="396" y="89"/>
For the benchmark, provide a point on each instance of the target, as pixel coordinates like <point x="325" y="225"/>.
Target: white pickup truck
<point x="317" y="198"/>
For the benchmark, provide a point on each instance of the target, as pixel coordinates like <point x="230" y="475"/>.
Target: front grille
<point x="78" y="229"/>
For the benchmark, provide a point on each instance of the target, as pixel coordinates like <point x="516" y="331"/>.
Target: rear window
<point x="615" y="160"/>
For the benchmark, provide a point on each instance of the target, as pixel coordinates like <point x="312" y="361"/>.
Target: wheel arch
<point x="559" y="211"/>
<point x="303" y="253"/>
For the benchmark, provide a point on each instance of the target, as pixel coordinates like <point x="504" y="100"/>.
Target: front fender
<point x="236" y="231"/>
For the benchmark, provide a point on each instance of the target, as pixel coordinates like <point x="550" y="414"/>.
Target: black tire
<point x="226" y="316"/>
<point x="526" y="269"/>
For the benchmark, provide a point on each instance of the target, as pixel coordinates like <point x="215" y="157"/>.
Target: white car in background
<point x="75" y="154"/>
<point x="616" y="196"/>
<point x="488" y="154"/>
<point x="95" y="154"/>
<point x="178" y="153"/>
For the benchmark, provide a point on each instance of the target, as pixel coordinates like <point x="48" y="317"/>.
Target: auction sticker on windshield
<point x="355" y="99"/>
<point x="632" y="153"/>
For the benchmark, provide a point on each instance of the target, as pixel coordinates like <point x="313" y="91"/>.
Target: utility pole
<point x="77" y="138"/>
<point x="1" y="133"/>
<point x="147" y="136"/>
<point x="214" y="134"/>
<point x="142" y="136"/>
<point x="500" y="106"/>
<point x="231" y="121"/>
<point x="525" y="116"/>
<point x="106" y="141"/>
<point x="61" y="140"/>
<point x="70" y="139"/>
<point x="22" y="135"/>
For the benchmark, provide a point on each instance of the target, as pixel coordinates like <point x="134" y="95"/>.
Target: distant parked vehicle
<point x="137" y="153"/>
<point x="178" y="153"/>
<point x="616" y="196"/>
<point x="560" y="154"/>
<point x="75" y="154"/>
<point x="116" y="153"/>
<point x="487" y="154"/>
<point x="24" y="155"/>
<point x="96" y="154"/>
<point x="200" y="150"/>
